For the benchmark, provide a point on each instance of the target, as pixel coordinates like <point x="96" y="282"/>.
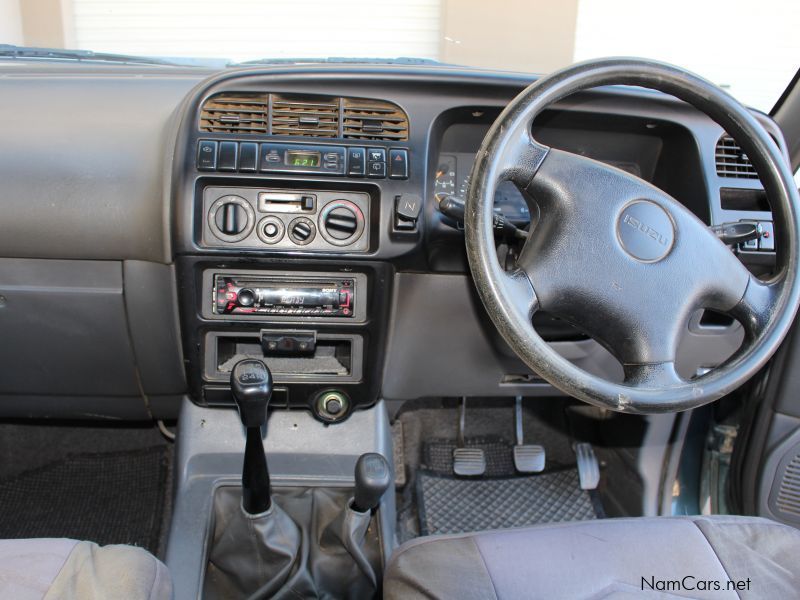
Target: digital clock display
<point x="295" y="158"/>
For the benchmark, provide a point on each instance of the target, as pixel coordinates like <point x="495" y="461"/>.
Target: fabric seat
<point x="675" y="557"/>
<point x="66" y="569"/>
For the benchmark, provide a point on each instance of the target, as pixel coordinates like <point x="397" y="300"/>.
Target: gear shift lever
<point x="251" y="384"/>
<point x="373" y="477"/>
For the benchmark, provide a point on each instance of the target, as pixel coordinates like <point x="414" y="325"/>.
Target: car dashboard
<point x="160" y="225"/>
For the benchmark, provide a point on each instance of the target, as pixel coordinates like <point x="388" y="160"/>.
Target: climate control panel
<point x="279" y="219"/>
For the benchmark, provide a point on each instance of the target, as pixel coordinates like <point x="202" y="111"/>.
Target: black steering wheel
<point x="619" y="258"/>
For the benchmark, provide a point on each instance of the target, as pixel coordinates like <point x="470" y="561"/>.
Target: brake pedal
<point x="588" y="466"/>
<point x="467" y="462"/>
<point x="528" y="458"/>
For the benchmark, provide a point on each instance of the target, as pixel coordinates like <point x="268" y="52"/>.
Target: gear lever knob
<point x="251" y="384"/>
<point x="373" y="477"/>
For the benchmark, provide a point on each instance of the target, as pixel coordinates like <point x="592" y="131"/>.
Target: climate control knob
<point x="231" y="218"/>
<point x="341" y="222"/>
<point x="302" y="231"/>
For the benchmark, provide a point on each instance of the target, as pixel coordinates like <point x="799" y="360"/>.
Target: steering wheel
<point x="621" y="259"/>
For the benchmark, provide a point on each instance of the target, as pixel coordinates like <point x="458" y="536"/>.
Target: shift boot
<point x="252" y="553"/>
<point x="346" y="534"/>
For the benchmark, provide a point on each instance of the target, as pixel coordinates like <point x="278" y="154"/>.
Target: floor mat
<point x="108" y="498"/>
<point x="455" y="505"/>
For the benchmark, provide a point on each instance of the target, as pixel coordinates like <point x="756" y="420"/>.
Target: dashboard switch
<point x="377" y="169"/>
<point x="207" y="155"/>
<point x="398" y="163"/>
<point x="407" y="208"/>
<point x="356" y="162"/>
<point x="376" y="163"/>
<point x="248" y="157"/>
<point x="767" y="241"/>
<point x="228" y="152"/>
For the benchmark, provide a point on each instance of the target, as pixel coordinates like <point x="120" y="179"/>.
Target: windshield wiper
<point x="28" y="52"/>
<point x="403" y="60"/>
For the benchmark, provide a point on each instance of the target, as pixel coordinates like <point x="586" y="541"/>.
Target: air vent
<point x="732" y="161"/>
<point x="374" y="120"/>
<point x="304" y="116"/>
<point x="298" y="117"/>
<point x="235" y="113"/>
<point x="788" y="500"/>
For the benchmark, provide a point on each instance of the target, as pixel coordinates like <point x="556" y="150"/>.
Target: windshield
<point x="751" y="49"/>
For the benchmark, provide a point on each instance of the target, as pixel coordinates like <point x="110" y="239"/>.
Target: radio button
<point x="246" y="298"/>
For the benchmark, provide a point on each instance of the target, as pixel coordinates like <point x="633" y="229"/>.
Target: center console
<point x="284" y="217"/>
<point x="285" y="213"/>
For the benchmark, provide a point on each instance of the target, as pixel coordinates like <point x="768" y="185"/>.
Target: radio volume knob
<point x="246" y="297"/>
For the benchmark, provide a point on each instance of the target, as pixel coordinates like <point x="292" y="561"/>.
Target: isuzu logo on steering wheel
<point x="645" y="231"/>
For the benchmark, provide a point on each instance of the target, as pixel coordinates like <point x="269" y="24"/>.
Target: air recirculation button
<point x="271" y="229"/>
<point x="341" y="222"/>
<point x="302" y="231"/>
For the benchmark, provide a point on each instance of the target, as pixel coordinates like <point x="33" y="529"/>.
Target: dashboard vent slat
<point x="235" y="113"/>
<point x="372" y="120"/>
<point x="732" y="161"/>
<point x="305" y="118"/>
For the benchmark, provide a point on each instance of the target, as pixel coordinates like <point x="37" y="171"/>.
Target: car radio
<point x="276" y="295"/>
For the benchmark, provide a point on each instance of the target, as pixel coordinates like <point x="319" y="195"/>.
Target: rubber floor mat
<point x="109" y="498"/>
<point x="456" y="505"/>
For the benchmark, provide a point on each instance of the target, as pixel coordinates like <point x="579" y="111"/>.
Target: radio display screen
<point x="295" y="158"/>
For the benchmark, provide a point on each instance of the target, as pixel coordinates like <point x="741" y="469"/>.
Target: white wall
<point x="248" y="29"/>
<point x="751" y="48"/>
<point x="537" y="36"/>
<point x="10" y="23"/>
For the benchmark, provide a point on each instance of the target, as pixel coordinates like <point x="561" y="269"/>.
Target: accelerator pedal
<point x="528" y="458"/>
<point x="467" y="462"/>
<point x="588" y="466"/>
